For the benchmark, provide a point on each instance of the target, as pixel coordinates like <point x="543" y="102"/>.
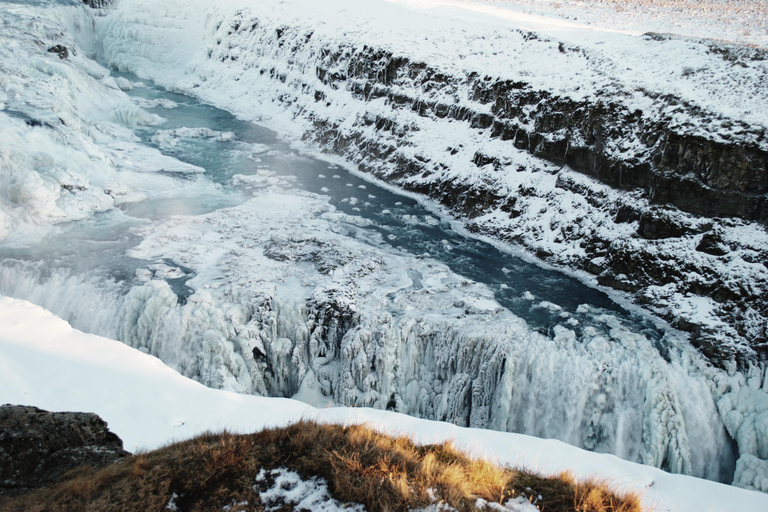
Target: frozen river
<point x="252" y="267"/>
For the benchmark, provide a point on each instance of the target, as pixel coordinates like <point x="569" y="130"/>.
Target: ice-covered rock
<point x="275" y="305"/>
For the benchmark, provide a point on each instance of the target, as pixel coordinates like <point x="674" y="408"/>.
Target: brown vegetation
<point x="361" y="466"/>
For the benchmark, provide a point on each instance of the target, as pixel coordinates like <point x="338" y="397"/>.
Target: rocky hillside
<point x="639" y="160"/>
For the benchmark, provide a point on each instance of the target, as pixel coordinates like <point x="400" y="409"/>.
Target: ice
<point x="172" y="137"/>
<point x="745" y="413"/>
<point x="283" y="302"/>
<point x="154" y="103"/>
<point x="751" y="473"/>
<point x="123" y="83"/>
<point x="130" y="114"/>
<point x="65" y="153"/>
<point x="295" y="311"/>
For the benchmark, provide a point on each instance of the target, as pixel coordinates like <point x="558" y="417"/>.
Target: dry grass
<point x="383" y="473"/>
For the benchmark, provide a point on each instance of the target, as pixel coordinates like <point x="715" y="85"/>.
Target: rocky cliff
<point x="652" y="193"/>
<point x="38" y="447"/>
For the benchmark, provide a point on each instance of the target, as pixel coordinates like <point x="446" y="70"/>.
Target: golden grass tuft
<point x="385" y="474"/>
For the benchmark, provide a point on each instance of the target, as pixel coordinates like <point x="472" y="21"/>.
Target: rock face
<point x="38" y="447"/>
<point x="59" y="50"/>
<point x="667" y="202"/>
<point x="98" y="4"/>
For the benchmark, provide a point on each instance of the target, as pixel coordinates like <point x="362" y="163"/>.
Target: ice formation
<point x="63" y="127"/>
<point x="745" y="413"/>
<point x="288" y="296"/>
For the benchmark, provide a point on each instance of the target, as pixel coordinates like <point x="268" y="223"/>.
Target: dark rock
<point x="712" y="244"/>
<point x="618" y="282"/>
<point x="38" y="447"/>
<point x="98" y="4"/>
<point x="59" y="50"/>
<point x="655" y="226"/>
<point x="334" y="313"/>
<point x="626" y="214"/>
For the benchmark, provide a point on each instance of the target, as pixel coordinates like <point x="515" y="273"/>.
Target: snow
<point x="291" y="298"/>
<point x="262" y="64"/>
<point x="452" y="36"/>
<point x="289" y="488"/>
<point x="47" y="364"/>
<point x="65" y="152"/>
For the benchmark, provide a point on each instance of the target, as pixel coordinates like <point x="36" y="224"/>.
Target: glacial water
<point x="403" y="222"/>
<point x="634" y="394"/>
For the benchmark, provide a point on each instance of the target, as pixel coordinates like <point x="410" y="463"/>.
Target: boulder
<point x="59" y="50"/>
<point x="38" y="447"/>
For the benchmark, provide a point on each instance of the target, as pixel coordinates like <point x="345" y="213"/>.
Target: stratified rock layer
<point x="653" y="194"/>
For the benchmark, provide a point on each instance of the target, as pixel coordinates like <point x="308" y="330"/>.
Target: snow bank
<point x="45" y="363"/>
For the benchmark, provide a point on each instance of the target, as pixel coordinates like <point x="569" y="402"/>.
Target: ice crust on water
<point x="172" y="137"/>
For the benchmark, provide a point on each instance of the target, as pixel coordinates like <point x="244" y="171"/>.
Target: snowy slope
<point x="46" y="363"/>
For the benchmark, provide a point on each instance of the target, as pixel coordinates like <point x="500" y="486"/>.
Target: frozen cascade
<point x="284" y="290"/>
<point x="286" y="307"/>
<point x="90" y="304"/>
<point x="353" y="318"/>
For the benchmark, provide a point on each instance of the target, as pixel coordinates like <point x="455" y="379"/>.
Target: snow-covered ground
<point x="740" y="21"/>
<point x="46" y="363"/>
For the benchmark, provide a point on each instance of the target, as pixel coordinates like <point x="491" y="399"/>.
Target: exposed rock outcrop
<point x="666" y="202"/>
<point x="38" y="447"/>
<point x="59" y="50"/>
<point x="98" y="4"/>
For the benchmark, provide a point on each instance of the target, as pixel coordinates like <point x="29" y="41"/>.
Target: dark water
<point x="98" y="245"/>
<point x="402" y="222"/>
